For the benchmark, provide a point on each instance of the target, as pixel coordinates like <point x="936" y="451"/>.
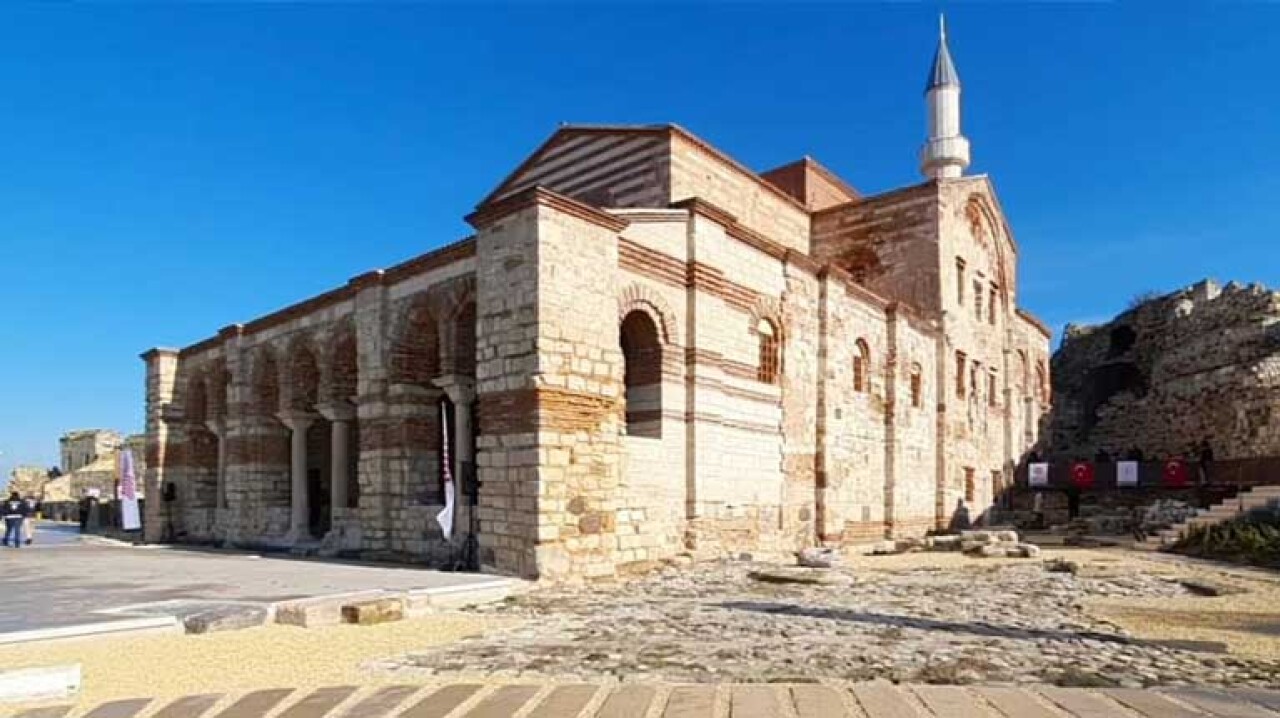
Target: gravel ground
<point x="274" y="656"/>
<point x="913" y="618"/>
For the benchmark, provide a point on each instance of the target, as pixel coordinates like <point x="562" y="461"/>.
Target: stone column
<point x="162" y="372"/>
<point x="461" y="390"/>
<point x="340" y="415"/>
<point x="300" y="511"/>
<point x="219" y="429"/>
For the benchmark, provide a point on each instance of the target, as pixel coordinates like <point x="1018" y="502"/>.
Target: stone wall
<point x="27" y="480"/>
<point x="1201" y="363"/>
<point x="84" y="446"/>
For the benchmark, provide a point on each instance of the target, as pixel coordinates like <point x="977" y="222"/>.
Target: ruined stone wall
<point x="1199" y="363"/>
<point x="699" y="172"/>
<point x="27" y="480"/>
<point x="83" y="447"/>
<point x="887" y="243"/>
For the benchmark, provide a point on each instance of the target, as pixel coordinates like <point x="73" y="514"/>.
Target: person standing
<point x="15" y="510"/>
<point x="29" y="521"/>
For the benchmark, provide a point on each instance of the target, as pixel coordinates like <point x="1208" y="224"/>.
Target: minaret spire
<point x="946" y="151"/>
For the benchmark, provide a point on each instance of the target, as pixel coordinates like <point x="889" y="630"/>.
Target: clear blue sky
<point x="167" y="170"/>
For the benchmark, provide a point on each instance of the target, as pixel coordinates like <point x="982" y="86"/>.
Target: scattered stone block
<point x="884" y="548"/>
<point x="1006" y="536"/>
<point x="320" y="610"/>
<point x="818" y="558"/>
<point x="949" y="542"/>
<point x="1204" y="587"/>
<point x="976" y="536"/>
<point x="992" y="550"/>
<point x="907" y="545"/>
<point x="1027" y="550"/>
<point x="370" y="613"/>
<point x="806" y="576"/>
<point x="1061" y="565"/>
<point x="970" y="546"/>
<point x="225" y="618"/>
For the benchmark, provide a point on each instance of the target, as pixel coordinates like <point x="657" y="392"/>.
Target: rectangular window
<point x="960" y="282"/>
<point x="915" y="390"/>
<point x="991" y="389"/>
<point x="970" y="486"/>
<point x="977" y="299"/>
<point x="961" y="362"/>
<point x="992" y="298"/>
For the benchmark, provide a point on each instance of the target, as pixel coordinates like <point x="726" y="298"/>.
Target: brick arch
<point x="637" y="297"/>
<point x="196" y="410"/>
<point x="983" y="219"/>
<point x="264" y="381"/>
<point x="303" y="373"/>
<point x="766" y="309"/>
<point x="340" y="365"/>
<point x="415" y="345"/>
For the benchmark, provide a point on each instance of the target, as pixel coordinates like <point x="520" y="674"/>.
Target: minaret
<point x="946" y="152"/>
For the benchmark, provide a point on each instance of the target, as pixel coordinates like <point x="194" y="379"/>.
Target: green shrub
<point x="1252" y="538"/>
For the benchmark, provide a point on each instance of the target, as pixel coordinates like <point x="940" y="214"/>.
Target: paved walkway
<point x="637" y="700"/>
<point x="62" y="581"/>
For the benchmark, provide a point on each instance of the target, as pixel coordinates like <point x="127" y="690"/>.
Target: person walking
<point x="29" y="522"/>
<point x="15" y="510"/>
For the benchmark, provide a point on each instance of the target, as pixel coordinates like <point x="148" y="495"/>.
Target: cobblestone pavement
<point x="877" y="699"/>
<point x="1007" y="622"/>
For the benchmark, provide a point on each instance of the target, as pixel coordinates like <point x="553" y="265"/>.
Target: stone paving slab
<point x="878" y="699"/>
<point x="67" y="585"/>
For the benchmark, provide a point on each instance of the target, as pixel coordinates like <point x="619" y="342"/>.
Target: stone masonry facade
<point x="1201" y="363"/>
<point x="646" y="349"/>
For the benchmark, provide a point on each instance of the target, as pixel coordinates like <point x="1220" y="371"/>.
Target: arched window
<point x="1042" y="383"/>
<point x="769" y="351"/>
<point x="917" y="389"/>
<point x="861" y="366"/>
<point x="642" y="374"/>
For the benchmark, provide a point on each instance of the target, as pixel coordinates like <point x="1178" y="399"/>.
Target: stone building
<point x="1202" y="363"/>
<point x="27" y="480"/>
<point x="82" y="447"/>
<point x="645" y="349"/>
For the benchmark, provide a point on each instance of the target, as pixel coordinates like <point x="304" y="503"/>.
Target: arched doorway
<point x="642" y="374"/>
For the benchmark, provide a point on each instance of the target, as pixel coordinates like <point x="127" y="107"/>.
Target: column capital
<point x="218" y="426"/>
<point x="459" y="388"/>
<point x="337" y="410"/>
<point x="297" y="420"/>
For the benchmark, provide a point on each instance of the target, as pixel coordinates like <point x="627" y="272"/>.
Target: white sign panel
<point x="130" y="520"/>
<point x="1038" y="475"/>
<point x="1127" y="473"/>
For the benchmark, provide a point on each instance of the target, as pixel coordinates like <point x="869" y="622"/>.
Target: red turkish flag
<point x="1175" y="473"/>
<point x="1082" y="475"/>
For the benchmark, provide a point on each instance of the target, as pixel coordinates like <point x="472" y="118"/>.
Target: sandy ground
<point x="273" y="656"/>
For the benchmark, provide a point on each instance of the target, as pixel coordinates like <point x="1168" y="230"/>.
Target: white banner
<point x="1038" y="474"/>
<point x="445" y="517"/>
<point x="130" y="520"/>
<point x="1127" y="473"/>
